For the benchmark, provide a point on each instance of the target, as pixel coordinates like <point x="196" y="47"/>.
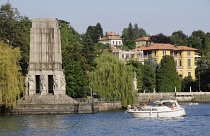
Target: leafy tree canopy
<point x="160" y="38"/>
<point x="167" y="77"/>
<point x="11" y="80"/>
<point x="75" y="66"/>
<point x="138" y="68"/>
<point x="113" y="79"/>
<point x="15" y="31"/>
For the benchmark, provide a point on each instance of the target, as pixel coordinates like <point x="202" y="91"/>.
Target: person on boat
<point x="172" y="107"/>
<point x="144" y="106"/>
<point x="129" y="106"/>
<point x="135" y="108"/>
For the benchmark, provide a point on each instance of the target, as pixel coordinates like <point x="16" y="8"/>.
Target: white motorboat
<point x="163" y="108"/>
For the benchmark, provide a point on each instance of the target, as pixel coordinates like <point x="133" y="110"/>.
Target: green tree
<point x="89" y="51"/>
<point x="188" y="82"/>
<point x="11" y="80"/>
<point x="138" y="68"/>
<point x="68" y="35"/>
<point x="178" y="38"/>
<point x="113" y="79"/>
<point x="95" y="32"/>
<point x="15" y="31"/>
<point x="167" y="77"/>
<point x="139" y="32"/>
<point x="99" y="30"/>
<point x="151" y="62"/>
<point x="130" y="44"/>
<point x="203" y="72"/>
<point x="149" y="78"/>
<point x="130" y="32"/>
<point x="75" y="66"/>
<point x="160" y="38"/>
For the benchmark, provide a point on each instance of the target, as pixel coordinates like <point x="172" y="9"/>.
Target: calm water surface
<point x="113" y="123"/>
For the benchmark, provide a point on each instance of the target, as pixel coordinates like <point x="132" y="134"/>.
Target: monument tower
<point x="45" y="75"/>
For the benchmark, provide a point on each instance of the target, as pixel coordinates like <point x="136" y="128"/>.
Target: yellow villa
<point x="184" y="56"/>
<point x="142" y="41"/>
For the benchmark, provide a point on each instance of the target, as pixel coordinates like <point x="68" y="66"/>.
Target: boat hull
<point x="168" y="113"/>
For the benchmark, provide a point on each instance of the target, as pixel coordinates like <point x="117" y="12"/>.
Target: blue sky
<point x="155" y="16"/>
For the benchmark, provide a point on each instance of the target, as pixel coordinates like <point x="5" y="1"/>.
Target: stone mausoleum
<point x="45" y="75"/>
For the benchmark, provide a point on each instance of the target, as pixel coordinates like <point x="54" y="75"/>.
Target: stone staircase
<point x="47" y="99"/>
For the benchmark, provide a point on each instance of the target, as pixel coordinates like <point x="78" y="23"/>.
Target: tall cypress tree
<point x="167" y="77"/>
<point x="88" y="50"/>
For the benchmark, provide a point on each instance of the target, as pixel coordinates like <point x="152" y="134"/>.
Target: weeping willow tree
<point x="11" y="79"/>
<point x="113" y="79"/>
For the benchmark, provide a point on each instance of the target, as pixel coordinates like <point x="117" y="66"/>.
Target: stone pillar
<point x="45" y="63"/>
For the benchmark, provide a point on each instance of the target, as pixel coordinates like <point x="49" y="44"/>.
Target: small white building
<point x="128" y="55"/>
<point x="111" y="38"/>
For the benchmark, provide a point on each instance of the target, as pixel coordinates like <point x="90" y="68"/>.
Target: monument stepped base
<point x="51" y="104"/>
<point x="47" y="99"/>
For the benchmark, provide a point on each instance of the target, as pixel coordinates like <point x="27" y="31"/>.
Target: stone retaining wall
<point x="180" y="96"/>
<point x="105" y="106"/>
<point x="80" y="108"/>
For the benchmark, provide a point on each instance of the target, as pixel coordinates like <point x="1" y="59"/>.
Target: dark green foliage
<point x="149" y="78"/>
<point x="89" y="51"/>
<point x="15" y="31"/>
<point x="130" y="44"/>
<point x="138" y="68"/>
<point x="75" y="70"/>
<point x="188" y="82"/>
<point x="167" y="77"/>
<point x="160" y="38"/>
<point x="203" y="72"/>
<point x="152" y="63"/>
<point x="99" y="30"/>
<point x="130" y="32"/>
<point x="138" y="32"/>
<point x="68" y="35"/>
<point x="178" y="38"/>
<point x="95" y="32"/>
<point x="133" y="33"/>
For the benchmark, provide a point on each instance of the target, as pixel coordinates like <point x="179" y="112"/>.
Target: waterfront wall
<point x="180" y="96"/>
<point x="77" y="106"/>
<point x="105" y="106"/>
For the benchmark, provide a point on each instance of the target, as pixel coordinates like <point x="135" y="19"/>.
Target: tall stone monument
<point x="45" y="75"/>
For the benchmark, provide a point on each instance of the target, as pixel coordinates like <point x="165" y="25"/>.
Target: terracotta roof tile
<point x="164" y="46"/>
<point x="143" y="39"/>
<point x="112" y="33"/>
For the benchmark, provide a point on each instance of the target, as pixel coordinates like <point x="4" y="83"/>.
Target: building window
<point x="188" y="53"/>
<point x="164" y="53"/>
<point x="189" y="62"/>
<point x="113" y="42"/>
<point x="119" y="42"/>
<point x="180" y="62"/>
<point x="155" y="53"/>
<point x="189" y="73"/>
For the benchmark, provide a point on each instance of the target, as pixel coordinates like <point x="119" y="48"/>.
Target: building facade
<point x="184" y="56"/>
<point x="142" y="41"/>
<point x="128" y="55"/>
<point x="111" y="38"/>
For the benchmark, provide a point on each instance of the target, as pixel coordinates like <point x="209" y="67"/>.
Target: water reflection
<point x="108" y="123"/>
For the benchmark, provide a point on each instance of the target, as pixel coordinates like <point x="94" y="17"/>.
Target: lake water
<point x="111" y="123"/>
